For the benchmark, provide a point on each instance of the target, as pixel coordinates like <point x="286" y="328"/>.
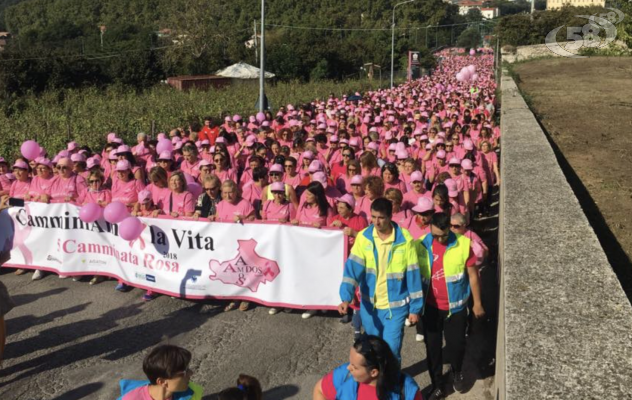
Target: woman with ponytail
<point x="372" y="373"/>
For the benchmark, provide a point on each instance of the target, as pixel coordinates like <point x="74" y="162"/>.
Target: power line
<point x="313" y="28"/>
<point x="87" y="56"/>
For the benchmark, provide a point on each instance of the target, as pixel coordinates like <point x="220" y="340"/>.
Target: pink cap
<point x="227" y="119"/>
<point x="440" y="154"/>
<point x="373" y="146"/>
<point x="236" y="118"/>
<point x="467" y="165"/>
<point x="165" y="155"/>
<point x="348" y="199"/>
<point x="453" y="190"/>
<point x="321" y="127"/>
<point x="2" y="160"/>
<point x="45" y="161"/>
<point x="64" y="161"/>
<point x="401" y="154"/>
<point x="345" y="141"/>
<point x="468" y="145"/>
<point x="439" y="141"/>
<point x="392" y="147"/>
<point x="117" y="140"/>
<point x="250" y="140"/>
<point x="320" y="177"/>
<point x="333" y="139"/>
<point x="416" y="176"/>
<point x="123" y="165"/>
<point x="72" y="146"/>
<point x="123" y="149"/>
<point x="308" y="154"/>
<point x="423" y="205"/>
<point x="277" y="187"/>
<point x="354" y="142"/>
<point x="276" y="168"/>
<point x="64" y="153"/>
<point x="454" y="161"/>
<point x="357" y="180"/>
<point x="205" y="142"/>
<point x="265" y="123"/>
<point x="20" y="164"/>
<point x="77" y="158"/>
<point x="205" y="163"/>
<point x="111" y="137"/>
<point x="220" y="140"/>
<point x="423" y="137"/>
<point x="144" y="196"/>
<point x="92" y="162"/>
<point x="315" y="166"/>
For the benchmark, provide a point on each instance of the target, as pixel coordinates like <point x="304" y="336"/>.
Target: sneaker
<point x="345" y="319"/>
<point x="308" y="314"/>
<point x="37" y="275"/>
<point x="63" y="276"/>
<point x="96" y="280"/>
<point x="356" y="336"/>
<point x="20" y="271"/>
<point x="407" y="322"/>
<point x="231" y="306"/>
<point x="273" y="311"/>
<point x="458" y="381"/>
<point x="244" y="306"/>
<point x="419" y="337"/>
<point x="76" y="278"/>
<point x="436" y="394"/>
<point x="121" y="287"/>
<point x="149" y="296"/>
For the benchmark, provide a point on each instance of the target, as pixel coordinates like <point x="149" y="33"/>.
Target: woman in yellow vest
<point x="276" y="175"/>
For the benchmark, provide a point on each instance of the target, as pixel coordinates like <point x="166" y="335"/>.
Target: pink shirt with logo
<point x="63" y="187"/>
<point x="292" y="181"/>
<point x="397" y="184"/>
<point x="181" y="203"/>
<point x="158" y="195"/>
<point x="226" y="211"/>
<point x="19" y="189"/>
<point x="40" y="186"/>
<point x="126" y="192"/>
<point x="226" y="175"/>
<point x="92" y="196"/>
<point x="272" y="211"/>
<point x="308" y="215"/>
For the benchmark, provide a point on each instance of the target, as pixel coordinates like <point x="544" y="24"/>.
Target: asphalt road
<point x="68" y="340"/>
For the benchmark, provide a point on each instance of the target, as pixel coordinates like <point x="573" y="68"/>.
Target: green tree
<point x="470" y="38"/>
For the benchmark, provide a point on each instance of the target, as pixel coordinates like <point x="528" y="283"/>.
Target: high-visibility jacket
<point x="454" y="267"/>
<point x="347" y="387"/>
<point x="402" y="272"/>
<point x="194" y="392"/>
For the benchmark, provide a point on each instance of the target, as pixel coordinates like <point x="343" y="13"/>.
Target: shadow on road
<point x="81" y="392"/>
<point x="22" y="299"/>
<point x="111" y="346"/>
<point x="18" y="324"/>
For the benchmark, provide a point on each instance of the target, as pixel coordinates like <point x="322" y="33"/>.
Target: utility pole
<point x="256" y="41"/>
<point x="262" y="71"/>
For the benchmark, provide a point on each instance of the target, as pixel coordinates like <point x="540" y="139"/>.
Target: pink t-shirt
<point x="307" y="215"/>
<point x="91" y="196"/>
<point x="158" y="195"/>
<point x="252" y="193"/>
<point x="411" y="198"/>
<point x="62" y="187"/>
<point x="141" y="393"/>
<point x="182" y="203"/>
<point x="226" y="175"/>
<point x="126" y="192"/>
<point x="19" y="189"/>
<point x="40" y="186"/>
<point x="5" y="183"/>
<point x="412" y="226"/>
<point x="226" y="211"/>
<point x="397" y="184"/>
<point x="272" y="211"/>
<point x="363" y="207"/>
<point x="292" y="181"/>
<point x="191" y="169"/>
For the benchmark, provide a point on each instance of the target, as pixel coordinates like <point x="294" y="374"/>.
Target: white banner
<point x="271" y="264"/>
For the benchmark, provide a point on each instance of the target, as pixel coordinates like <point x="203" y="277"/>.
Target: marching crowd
<point x="401" y="172"/>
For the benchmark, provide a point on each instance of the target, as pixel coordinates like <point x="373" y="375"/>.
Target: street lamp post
<point x="262" y="71"/>
<point x="393" y="39"/>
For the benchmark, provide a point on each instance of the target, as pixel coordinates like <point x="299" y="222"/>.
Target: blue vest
<point x="347" y="387"/>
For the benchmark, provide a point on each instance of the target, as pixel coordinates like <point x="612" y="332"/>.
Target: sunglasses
<point x="346" y="155"/>
<point x="211" y="188"/>
<point x="275" y="174"/>
<point x="218" y="159"/>
<point x="427" y="213"/>
<point x="289" y="166"/>
<point x="281" y="193"/>
<point x="456" y="226"/>
<point x="93" y="181"/>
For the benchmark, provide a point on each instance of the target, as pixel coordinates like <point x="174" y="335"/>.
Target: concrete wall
<point x="565" y="324"/>
<point x="541" y="50"/>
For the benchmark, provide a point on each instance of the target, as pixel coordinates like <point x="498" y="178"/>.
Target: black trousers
<point x="436" y="325"/>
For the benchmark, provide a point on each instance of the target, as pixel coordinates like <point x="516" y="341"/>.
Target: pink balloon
<point x="471" y="68"/>
<point x="472" y="52"/>
<point x="30" y="149"/>
<point x="195" y="189"/>
<point x="459" y="77"/>
<point x="190" y="179"/>
<point x="261" y="117"/>
<point x="115" y="212"/>
<point x="164" y="145"/>
<point x="130" y="228"/>
<point x="474" y="76"/>
<point x="90" y="212"/>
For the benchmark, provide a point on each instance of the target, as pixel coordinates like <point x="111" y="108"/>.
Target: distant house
<point x="466" y="5"/>
<point x="198" y="82"/>
<point x="554" y="4"/>
<point x="489" y="12"/>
